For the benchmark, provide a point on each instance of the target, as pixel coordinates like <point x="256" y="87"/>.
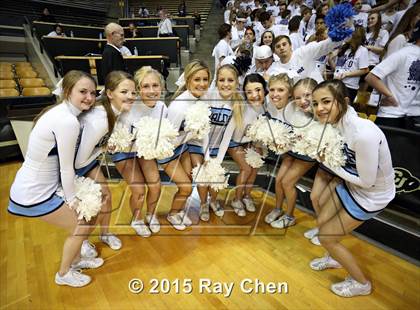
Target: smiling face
<point x="267" y="38"/>
<point x="123" y="96"/>
<point x="279" y="94"/>
<point x="254" y="93"/>
<point x="325" y="106"/>
<point x="302" y="96"/>
<point x="83" y="94"/>
<point x="199" y="83"/>
<point x="373" y="19"/>
<point x="226" y="83"/>
<point x="150" y="89"/>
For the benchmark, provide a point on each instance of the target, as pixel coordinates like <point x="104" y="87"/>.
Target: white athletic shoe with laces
<point x="73" y="278"/>
<point x="88" y="249"/>
<point x="325" y="262"/>
<point x="185" y="219"/>
<point x="315" y="241"/>
<point x="88" y="263"/>
<point x="249" y="204"/>
<point x="350" y="288"/>
<point x="141" y="228"/>
<point x="217" y="208"/>
<point x="205" y="212"/>
<point x="154" y="224"/>
<point x="112" y="241"/>
<point x="309" y="234"/>
<point x="273" y="215"/>
<point x="283" y="222"/>
<point x="238" y="207"/>
<point x="176" y="221"/>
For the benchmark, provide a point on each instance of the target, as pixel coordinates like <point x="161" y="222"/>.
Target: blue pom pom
<point x="336" y="20"/>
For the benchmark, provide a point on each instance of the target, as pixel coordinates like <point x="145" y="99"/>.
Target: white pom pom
<point x="121" y="139"/>
<point x="317" y="140"/>
<point x="253" y="158"/>
<point x="197" y="120"/>
<point x="155" y="138"/>
<point x="274" y="134"/>
<point x="90" y="195"/>
<point x="212" y="174"/>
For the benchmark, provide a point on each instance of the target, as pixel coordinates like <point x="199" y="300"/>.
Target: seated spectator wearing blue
<point x="112" y="59"/>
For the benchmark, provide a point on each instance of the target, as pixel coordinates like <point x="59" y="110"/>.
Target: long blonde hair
<point x="113" y="79"/>
<point x="237" y="99"/>
<point x="192" y="68"/>
<point x="69" y="80"/>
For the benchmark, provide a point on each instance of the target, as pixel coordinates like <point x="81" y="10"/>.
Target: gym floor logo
<point x="405" y="182"/>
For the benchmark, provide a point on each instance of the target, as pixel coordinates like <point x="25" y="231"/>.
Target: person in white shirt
<point x="165" y="24"/>
<point x="305" y="28"/>
<point x="352" y="62"/>
<point x="294" y="7"/>
<point x="238" y="31"/>
<point x="376" y="38"/>
<point x="57" y="32"/>
<point x="267" y="20"/>
<point x="360" y="19"/>
<point x="387" y="18"/>
<point x="284" y="15"/>
<point x="179" y="166"/>
<point x="295" y="37"/>
<point x="97" y="126"/>
<point x="48" y="165"/>
<point x="366" y="188"/>
<point x="222" y="48"/>
<point x="272" y="8"/>
<point x="140" y="173"/>
<point x="226" y="14"/>
<point x="397" y="79"/>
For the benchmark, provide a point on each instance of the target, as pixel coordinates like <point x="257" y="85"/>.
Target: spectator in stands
<point x="222" y="48"/>
<point x="238" y="31"/>
<point x="143" y="12"/>
<point x="305" y="26"/>
<point x="197" y="18"/>
<point x="47" y="17"/>
<point x="165" y="25"/>
<point x="182" y="9"/>
<point x="112" y="59"/>
<point x="361" y="18"/>
<point x="268" y="23"/>
<point x="132" y="31"/>
<point x="397" y="79"/>
<point x="267" y="38"/>
<point x="294" y="35"/>
<point x="57" y="32"/>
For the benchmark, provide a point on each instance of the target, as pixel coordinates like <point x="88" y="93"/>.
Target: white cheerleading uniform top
<point x="139" y="110"/>
<point x="368" y="171"/>
<point x="50" y="157"/>
<point x="250" y="115"/>
<point x="176" y="115"/>
<point x="94" y="126"/>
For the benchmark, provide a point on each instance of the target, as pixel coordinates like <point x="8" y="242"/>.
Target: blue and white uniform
<point x="49" y="160"/>
<point x="176" y="115"/>
<point x="95" y="135"/>
<point x="368" y="173"/>
<point x="137" y="111"/>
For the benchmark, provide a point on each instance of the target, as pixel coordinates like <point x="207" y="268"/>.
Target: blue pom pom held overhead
<point x="339" y="22"/>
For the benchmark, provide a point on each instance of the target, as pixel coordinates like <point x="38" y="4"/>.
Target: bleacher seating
<point x="36" y="91"/>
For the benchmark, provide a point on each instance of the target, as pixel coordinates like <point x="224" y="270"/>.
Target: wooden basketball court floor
<point x="226" y="251"/>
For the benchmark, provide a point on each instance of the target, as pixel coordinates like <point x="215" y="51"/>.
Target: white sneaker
<point x="315" y="241"/>
<point x="326" y="262"/>
<point x="273" y="215"/>
<point x="350" y="288"/>
<point x="88" y="263"/>
<point x="141" y="228"/>
<point x="185" y="219"/>
<point x="249" y="204"/>
<point x="217" y="208"/>
<point x="283" y="222"/>
<point x="88" y="249"/>
<point x="204" y="212"/>
<point x="112" y="241"/>
<point x="309" y="234"/>
<point x="176" y="221"/>
<point x="238" y="206"/>
<point x="72" y="278"/>
<point x="154" y="224"/>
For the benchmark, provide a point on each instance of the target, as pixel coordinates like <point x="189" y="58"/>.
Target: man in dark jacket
<point x="112" y="58"/>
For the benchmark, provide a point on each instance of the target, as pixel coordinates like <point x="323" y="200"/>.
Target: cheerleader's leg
<point x="151" y="174"/>
<point x="286" y="163"/>
<point x="131" y="172"/>
<point x="245" y="170"/>
<point x="197" y="159"/>
<point x="321" y="181"/>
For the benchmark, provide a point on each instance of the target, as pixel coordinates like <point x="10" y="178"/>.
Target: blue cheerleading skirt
<point x="123" y="156"/>
<point x="39" y="209"/>
<point x="85" y="170"/>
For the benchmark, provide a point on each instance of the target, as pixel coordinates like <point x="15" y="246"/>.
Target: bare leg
<point x="245" y="170"/>
<point x="328" y="198"/>
<point x="322" y="179"/>
<point x="292" y="176"/>
<point x="197" y="159"/>
<point x="132" y="174"/>
<point x="285" y="165"/>
<point x="151" y="174"/>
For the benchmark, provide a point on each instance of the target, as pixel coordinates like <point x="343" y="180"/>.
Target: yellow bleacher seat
<point x="6" y="75"/>
<point x="8" y="92"/>
<point x="31" y="82"/>
<point x="7" y="84"/>
<point x="36" y="91"/>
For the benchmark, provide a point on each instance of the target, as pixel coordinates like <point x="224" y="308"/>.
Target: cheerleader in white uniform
<point x="97" y="126"/>
<point x="179" y="166"/>
<point x="226" y="106"/>
<point x="367" y="187"/>
<point x="139" y="172"/>
<point x="49" y="160"/>
<point x="299" y="114"/>
<point x="255" y="92"/>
